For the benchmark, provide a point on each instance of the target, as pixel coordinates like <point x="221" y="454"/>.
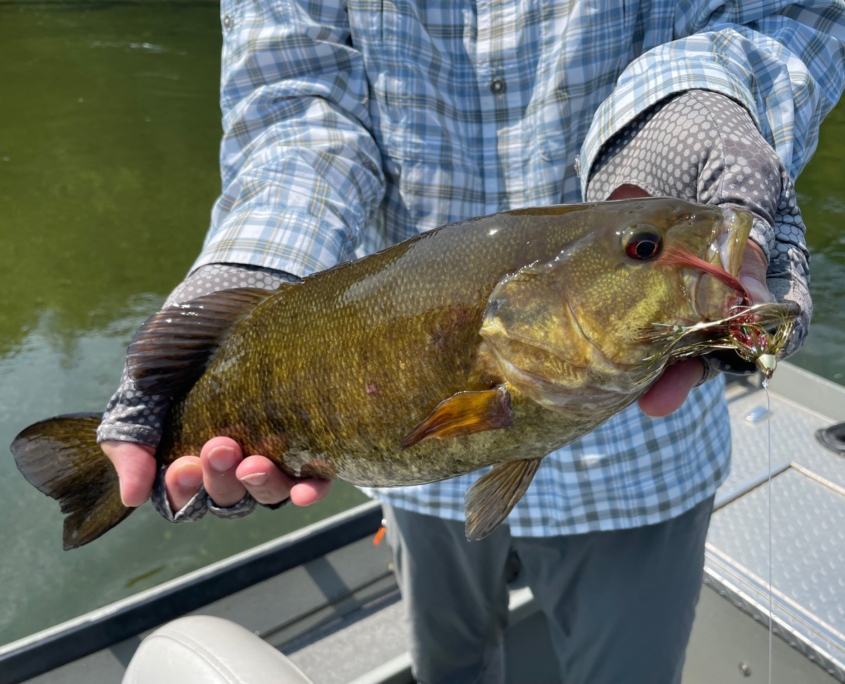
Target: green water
<point x="109" y="127"/>
<point x="821" y="195"/>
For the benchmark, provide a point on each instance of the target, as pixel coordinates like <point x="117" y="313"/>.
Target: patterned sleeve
<point x="301" y="173"/>
<point x="785" y="63"/>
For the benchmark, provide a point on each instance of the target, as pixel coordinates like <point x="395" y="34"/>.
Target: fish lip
<point x="728" y="243"/>
<point x="733" y="238"/>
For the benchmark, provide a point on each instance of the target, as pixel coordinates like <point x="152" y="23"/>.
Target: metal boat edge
<point x="104" y="627"/>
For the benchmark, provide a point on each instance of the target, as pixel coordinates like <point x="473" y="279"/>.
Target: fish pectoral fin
<point x="491" y="499"/>
<point x="172" y="348"/>
<point x="464" y="413"/>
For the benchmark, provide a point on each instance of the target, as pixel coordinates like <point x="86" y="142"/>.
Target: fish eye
<point x="644" y="244"/>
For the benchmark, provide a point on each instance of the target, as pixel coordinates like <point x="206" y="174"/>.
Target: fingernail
<point x="221" y="458"/>
<point x="122" y="498"/>
<point x="189" y="478"/>
<point x="255" y="479"/>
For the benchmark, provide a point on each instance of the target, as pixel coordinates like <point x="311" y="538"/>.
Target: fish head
<point x="573" y="331"/>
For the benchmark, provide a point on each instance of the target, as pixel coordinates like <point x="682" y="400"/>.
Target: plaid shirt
<point x="353" y="124"/>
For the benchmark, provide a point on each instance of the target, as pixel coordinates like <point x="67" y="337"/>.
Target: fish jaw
<point x="555" y="383"/>
<point x="718" y="291"/>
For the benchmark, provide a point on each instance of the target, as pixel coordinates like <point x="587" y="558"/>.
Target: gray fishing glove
<point x="703" y="147"/>
<point x="134" y="417"/>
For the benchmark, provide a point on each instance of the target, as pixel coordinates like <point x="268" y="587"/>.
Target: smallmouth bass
<point x="493" y="341"/>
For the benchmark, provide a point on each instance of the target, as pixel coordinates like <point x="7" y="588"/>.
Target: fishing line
<point x="769" y="489"/>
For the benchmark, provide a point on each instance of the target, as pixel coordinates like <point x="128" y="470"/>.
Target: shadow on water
<point x="109" y="128"/>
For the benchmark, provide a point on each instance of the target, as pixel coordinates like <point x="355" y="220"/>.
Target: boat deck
<point x="338" y="615"/>
<point x="807" y="516"/>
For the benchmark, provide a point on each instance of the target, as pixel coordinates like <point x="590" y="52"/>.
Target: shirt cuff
<point x="645" y="87"/>
<point x="281" y="239"/>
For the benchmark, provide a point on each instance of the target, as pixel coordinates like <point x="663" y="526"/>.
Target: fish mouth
<point x="725" y="315"/>
<point x="728" y="317"/>
<point x="712" y="279"/>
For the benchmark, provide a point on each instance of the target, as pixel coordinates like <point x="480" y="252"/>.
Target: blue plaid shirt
<point x="353" y="124"/>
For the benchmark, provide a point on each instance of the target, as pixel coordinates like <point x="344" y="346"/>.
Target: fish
<point x="486" y="343"/>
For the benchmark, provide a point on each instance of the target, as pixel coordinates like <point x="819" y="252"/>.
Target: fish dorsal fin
<point x="491" y="499"/>
<point x="173" y="347"/>
<point x="464" y="413"/>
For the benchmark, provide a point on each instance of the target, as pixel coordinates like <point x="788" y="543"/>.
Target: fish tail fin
<point x="61" y="458"/>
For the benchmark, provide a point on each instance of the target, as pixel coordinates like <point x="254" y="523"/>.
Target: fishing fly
<point x="758" y="334"/>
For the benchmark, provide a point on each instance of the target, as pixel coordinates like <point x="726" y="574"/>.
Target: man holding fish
<point x="352" y="126"/>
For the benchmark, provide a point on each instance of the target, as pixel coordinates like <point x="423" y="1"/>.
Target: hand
<point x="672" y="388"/>
<point x="134" y="420"/>
<point x="221" y="467"/>
<point x="703" y="147"/>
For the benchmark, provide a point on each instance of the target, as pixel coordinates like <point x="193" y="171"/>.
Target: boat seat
<point x="200" y="649"/>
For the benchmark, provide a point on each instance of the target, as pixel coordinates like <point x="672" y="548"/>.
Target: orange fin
<point x="464" y="413"/>
<point x="493" y="496"/>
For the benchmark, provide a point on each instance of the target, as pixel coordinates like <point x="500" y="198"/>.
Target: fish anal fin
<point x="464" y="413"/>
<point x="492" y="497"/>
<point x="172" y="348"/>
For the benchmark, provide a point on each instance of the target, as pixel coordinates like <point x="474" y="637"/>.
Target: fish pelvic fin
<point x="464" y="413"/>
<point x="61" y="458"/>
<point x="172" y="348"/>
<point x="492" y="497"/>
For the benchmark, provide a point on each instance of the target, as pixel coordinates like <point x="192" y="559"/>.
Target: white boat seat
<point x="200" y="649"/>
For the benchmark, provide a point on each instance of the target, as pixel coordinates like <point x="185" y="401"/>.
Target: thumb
<point x="752" y="274"/>
<point x="136" y="469"/>
<point x="671" y="390"/>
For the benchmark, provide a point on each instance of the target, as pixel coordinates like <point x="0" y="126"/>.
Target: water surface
<point x="109" y="127"/>
<point x="821" y="196"/>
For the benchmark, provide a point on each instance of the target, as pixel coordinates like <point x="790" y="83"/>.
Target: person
<point x="349" y="126"/>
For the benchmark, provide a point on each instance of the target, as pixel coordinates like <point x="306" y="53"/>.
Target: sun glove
<point x="131" y="416"/>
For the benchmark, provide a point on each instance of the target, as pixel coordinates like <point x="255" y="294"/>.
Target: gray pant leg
<point x="620" y="605"/>
<point x="455" y="596"/>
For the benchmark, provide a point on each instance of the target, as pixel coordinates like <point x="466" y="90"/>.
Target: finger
<point x="628" y="191"/>
<point x="182" y="481"/>
<point x="752" y="274"/>
<point x="307" y="492"/>
<point x="262" y="479"/>
<point x="671" y="390"/>
<point x="136" y="469"/>
<point x="220" y="459"/>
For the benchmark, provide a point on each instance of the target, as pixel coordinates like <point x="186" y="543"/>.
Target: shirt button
<point x="227" y="22"/>
<point x="497" y="85"/>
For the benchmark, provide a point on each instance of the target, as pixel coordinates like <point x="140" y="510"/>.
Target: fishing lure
<point x="757" y="333"/>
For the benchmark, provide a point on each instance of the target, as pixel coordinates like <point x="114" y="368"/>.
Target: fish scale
<point x="491" y="342"/>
